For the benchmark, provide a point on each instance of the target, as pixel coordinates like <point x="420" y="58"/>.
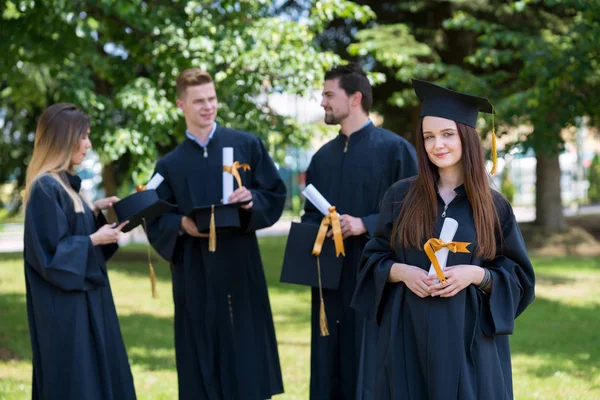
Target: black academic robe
<point x="224" y="335"/>
<point x="78" y="350"/>
<point x="445" y="348"/>
<point x="352" y="173"/>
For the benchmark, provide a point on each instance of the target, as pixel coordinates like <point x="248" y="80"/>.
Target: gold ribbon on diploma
<point x="233" y="170"/>
<point x="433" y="245"/>
<point x="332" y="219"/>
<point x="212" y="232"/>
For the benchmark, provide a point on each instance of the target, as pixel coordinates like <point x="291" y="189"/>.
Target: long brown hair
<point x="415" y="224"/>
<point x="59" y="132"/>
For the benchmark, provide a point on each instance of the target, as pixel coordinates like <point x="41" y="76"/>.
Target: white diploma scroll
<point x="227" y="177"/>
<point x="446" y="235"/>
<point x="155" y="182"/>
<point x="317" y="199"/>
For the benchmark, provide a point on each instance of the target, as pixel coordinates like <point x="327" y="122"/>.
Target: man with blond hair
<point x="224" y="335"/>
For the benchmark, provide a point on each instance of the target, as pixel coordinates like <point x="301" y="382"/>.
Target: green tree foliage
<point x="594" y="180"/>
<point x="535" y="59"/>
<point x="541" y="59"/>
<point x="118" y="59"/>
<point x="507" y="187"/>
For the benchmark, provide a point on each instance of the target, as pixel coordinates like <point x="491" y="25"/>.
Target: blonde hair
<point x="191" y="77"/>
<point x="59" y="132"/>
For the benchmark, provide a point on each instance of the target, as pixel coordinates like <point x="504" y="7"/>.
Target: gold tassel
<point x="151" y="267"/>
<point x="494" y="152"/>
<point x="212" y="235"/>
<point x="152" y="277"/>
<point x="322" y="315"/>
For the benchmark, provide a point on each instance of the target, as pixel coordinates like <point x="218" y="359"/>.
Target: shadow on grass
<point x="12" y="256"/>
<point x="552" y="280"/>
<point x="293" y="319"/>
<point x="294" y="343"/>
<point x="149" y="340"/>
<point x="15" y="343"/>
<point x="136" y="265"/>
<point x="145" y="334"/>
<point x="566" y="335"/>
<point x="133" y="261"/>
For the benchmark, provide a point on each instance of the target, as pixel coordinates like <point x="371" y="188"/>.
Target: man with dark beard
<point x="353" y="172"/>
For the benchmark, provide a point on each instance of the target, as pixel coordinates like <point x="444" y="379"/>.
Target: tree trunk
<point x="548" y="206"/>
<point x="110" y="187"/>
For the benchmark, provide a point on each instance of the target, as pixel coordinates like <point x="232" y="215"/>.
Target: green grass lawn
<point x="556" y="348"/>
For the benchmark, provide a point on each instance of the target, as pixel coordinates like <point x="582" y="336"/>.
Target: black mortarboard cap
<point x="445" y="103"/>
<point x="226" y="217"/>
<point x="460" y="107"/>
<point x="138" y="206"/>
<point x="300" y="266"/>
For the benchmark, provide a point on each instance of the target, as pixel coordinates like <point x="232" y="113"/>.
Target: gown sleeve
<point x="108" y="250"/>
<point x="405" y="162"/>
<point x="164" y="232"/>
<point x="513" y="278"/>
<point x="376" y="263"/>
<point x="268" y="191"/>
<point x="67" y="261"/>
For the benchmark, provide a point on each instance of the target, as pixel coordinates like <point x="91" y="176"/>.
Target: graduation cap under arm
<point x="460" y="107"/>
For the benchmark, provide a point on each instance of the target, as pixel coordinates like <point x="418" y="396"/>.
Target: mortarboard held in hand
<point x="460" y="107"/>
<point x="142" y="206"/>
<point x="306" y="246"/>
<point x="222" y="217"/>
<point x="300" y="265"/>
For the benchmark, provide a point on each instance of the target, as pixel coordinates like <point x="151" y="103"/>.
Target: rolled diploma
<point x="155" y="181"/>
<point x="446" y="235"/>
<point x="317" y="199"/>
<point x="227" y="177"/>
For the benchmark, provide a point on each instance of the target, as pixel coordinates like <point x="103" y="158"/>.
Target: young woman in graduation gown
<point x="445" y="340"/>
<point x="78" y="351"/>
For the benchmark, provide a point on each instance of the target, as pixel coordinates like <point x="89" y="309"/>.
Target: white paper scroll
<point x="317" y="199"/>
<point x="155" y="182"/>
<point x="446" y="235"/>
<point x="227" y="177"/>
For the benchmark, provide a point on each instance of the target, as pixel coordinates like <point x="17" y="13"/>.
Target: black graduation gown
<point x="353" y="174"/>
<point x="224" y="335"/>
<point x="445" y="348"/>
<point x="78" y="350"/>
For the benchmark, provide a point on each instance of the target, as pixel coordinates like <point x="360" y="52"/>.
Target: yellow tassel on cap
<point x="494" y="152"/>
<point x="212" y="234"/>
<point x="323" y="319"/>
<point x="322" y="315"/>
<point x="151" y="267"/>
<point x="152" y="277"/>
